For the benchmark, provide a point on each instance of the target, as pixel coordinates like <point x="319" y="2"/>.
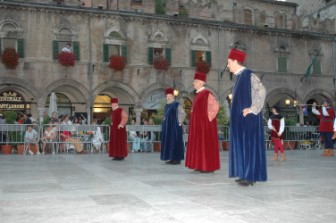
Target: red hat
<point x="237" y="55"/>
<point x="114" y="100"/>
<point x="169" y="91"/>
<point x="200" y="76"/>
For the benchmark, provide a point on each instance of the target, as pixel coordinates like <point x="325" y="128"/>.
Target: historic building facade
<point x="280" y="50"/>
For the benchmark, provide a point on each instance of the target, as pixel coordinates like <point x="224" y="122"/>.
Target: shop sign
<point x="153" y="100"/>
<point x="11" y="100"/>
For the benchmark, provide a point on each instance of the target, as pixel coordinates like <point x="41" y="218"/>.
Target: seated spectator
<point x="49" y="137"/>
<point x="31" y="137"/>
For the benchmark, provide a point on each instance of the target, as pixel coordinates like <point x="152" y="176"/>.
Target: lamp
<point x="230" y="96"/>
<point x="176" y="92"/>
<point x="295" y="103"/>
<point x="287" y="101"/>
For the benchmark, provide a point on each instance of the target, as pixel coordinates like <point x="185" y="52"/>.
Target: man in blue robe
<point x="172" y="148"/>
<point x="247" y="154"/>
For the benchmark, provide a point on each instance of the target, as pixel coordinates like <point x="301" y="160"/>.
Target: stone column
<point x="138" y="115"/>
<point x="41" y="111"/>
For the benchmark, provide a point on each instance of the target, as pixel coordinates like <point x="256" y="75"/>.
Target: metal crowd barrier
<point x="142" y="138"/>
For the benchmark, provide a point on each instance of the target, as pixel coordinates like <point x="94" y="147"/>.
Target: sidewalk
<point x="143" y="189"/>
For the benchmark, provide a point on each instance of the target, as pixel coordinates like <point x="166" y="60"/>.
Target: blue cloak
<point x="247" y="153"/>
<point x="172" y="147"/>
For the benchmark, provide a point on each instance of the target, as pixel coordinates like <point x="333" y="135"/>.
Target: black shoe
<point x="246" y="183"/>
<point x="238" y="180"/>
<point x="175" y="162"/>
<point x="169" y="161"/>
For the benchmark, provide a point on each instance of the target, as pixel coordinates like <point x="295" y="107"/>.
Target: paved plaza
<point x="142" y="189"/>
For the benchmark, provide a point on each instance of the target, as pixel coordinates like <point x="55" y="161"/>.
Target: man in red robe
<point x="202" y="149"/>
<point x="118" y="137"/>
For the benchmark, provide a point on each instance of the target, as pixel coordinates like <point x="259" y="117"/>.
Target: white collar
<point x="239" y="71"/>
<point x="202" y="88"/>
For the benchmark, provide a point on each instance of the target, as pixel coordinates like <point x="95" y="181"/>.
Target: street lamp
<point x="287" y="101"/>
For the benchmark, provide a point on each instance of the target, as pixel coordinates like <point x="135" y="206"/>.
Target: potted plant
<point x="117" y="63"/>
<point x="67" y="59"/>
<point x="202" y="66"/>
<point x="10" y="58"/>
<point x="161" y="63"/>
<point x="10" y="117"/>
<point x="223" y="124"/>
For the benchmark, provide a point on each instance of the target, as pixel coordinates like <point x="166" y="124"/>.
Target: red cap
<point x="169" y="91"/>
<point x="114" y="100"/>
<point x="200" y="76"/>
<point x="237" y="55"/>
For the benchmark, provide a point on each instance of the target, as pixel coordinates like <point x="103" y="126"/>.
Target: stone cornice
<point x="173" y="20"/>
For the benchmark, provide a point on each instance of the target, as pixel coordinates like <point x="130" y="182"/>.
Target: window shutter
<point x="208" y="57"/>
<point x="193" y="58"/>
<point x="282" y="64"/>
<point x="150" y="55"/>
<point x="168" y="55"/>
<point x="55" y="49"/>
<point x="76" y="50"/>
<point x="20" y="47"/>
<point x="124" y="52"/>
<point x="105" y="52"/>
<point x="0" y="46"/>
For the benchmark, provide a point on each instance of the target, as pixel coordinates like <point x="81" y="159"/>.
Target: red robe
<point x="118" y="137"/>
<point x="202" y="148"/>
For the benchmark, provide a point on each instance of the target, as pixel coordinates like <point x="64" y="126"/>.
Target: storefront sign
<point x="11" y="100"/>
<point x="153" y="100"/>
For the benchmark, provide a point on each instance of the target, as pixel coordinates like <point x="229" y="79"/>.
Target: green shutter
<point x="55" y="49"/>
<point x="282" y="64"/>
<point x="150" y="55"/>
<point x="105" y="52"/>
<point x="76" y="50"/>
<point x="193" y="58"/>
<point x="20" y="47"/>
<point x="0" y="46"/>
<point x="168" y="55"/>
<point x="124" y="52"/>
<point x="208" y="57"/>
<point x="317" y="67"/>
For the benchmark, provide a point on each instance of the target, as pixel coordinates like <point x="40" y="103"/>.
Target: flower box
<point x="117" y="63"/>
<point x="161" y="63"/>
<point x="10" y="58"/>
<point x="67" y="59"/>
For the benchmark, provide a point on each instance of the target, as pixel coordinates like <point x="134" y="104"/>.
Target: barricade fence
<point x="58" y="138"/>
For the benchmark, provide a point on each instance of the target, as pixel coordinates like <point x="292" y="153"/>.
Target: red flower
<point x="10" y="58"/>
<point x="66" y="58"/>
<point x="203" y="67"/>
<point x="161" y="63"/>
<point x="117" y="63"/>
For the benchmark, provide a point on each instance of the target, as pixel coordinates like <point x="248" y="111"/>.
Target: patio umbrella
<point x="52" y="104"/>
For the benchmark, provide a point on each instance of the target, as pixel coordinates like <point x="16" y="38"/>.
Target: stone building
<point x="280" y="49"/>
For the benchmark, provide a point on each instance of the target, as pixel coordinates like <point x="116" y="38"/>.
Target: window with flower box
<point x="59" y="45"/>
<point x="154" y="53"/>
<point x="114" y="50"/>
<point x="17" y="44"/>
<point x="198" y="56"/>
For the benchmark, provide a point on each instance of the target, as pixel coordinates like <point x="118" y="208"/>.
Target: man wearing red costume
<point x="247" y="153"/>
<point x="118" y="144"/>
<point x="202" y="149"/>
<point x="326" y="116"/>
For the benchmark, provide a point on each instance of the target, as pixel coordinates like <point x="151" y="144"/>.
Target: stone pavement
<point x="143" y="189"/>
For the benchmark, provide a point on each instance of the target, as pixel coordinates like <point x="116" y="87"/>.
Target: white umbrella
<point x="52" y="104"/>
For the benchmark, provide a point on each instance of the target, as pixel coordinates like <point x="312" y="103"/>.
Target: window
<point x="114" y="50"/>
<point x="197" y="55"/>
<point x="154" y="53"/>
<point x="282" y="64"/>
<point x="17" y="44"/>
<point x="247" y="17"/>
<point x="59" y="45"/>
